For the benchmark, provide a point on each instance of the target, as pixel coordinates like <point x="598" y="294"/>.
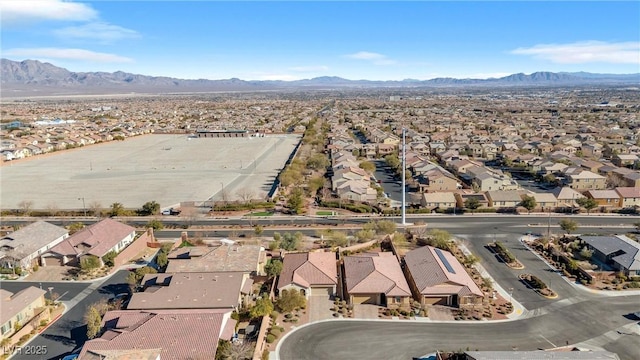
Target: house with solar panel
<point x="436" y="277"/>
<point x="618" y="251"/>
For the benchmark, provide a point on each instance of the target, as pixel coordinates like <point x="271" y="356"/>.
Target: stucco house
<point x="160" y="334"/>
<point x="311" y="273"/>
<point x="375" y="278"/>
<point x="205" y="290"/>
<point x="437" y="277"/>
<point x="25" y="246"/>
<point x="629" y="196"/>
<point x="20" y="308"/>
<point x="97" y="240"/>
<point x="618" y="251"/>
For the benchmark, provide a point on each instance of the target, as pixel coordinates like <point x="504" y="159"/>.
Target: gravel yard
<point x="166" y="168"/>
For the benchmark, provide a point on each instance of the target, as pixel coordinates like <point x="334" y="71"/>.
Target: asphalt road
<point x="467" y="223"/>
<point x="68" y="333"/>
<point x="554" y="326"/>
<point x="391" y="186"/>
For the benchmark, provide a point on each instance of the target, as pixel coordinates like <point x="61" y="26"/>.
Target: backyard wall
<point x="136" y="247"/>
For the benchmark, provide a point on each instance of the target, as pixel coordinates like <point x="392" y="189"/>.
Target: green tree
<point x="108" y="258"/>
<point x="439" y="238"/>
<point x="289" y="176"/>
<point x="117" y="209"/>
<point x="263" y="307"/>
<point x="290" y="300"/>
<point x="393" y="161"/>
<point x="258" y="229"/>
<point x="273" y="268"/>
<point x="162" y="259"/>
<point x="338" y="238"/>
<point x="295" y="200"/>
<point x="149" y="208"/>
<point x="365" y="235"/>
<point x="568" y="225"/>
<point x="291" y="241"/>
<point x="587" y="203"/>
<point x="528" y="202"/>
<point x="385" y="227"/>
<point x="472" y="204"/>
<point x="315" y="183"/>
<point x="549" y="179"/>
<point x="155" y="224"/>
<point x="93" y="319"/>
<point x="75" y="227"/>
<point x="89" y="262"/>
<point x="317" y="161"/>
<point x="367" y="166"/>
<point x="135" y="276"/>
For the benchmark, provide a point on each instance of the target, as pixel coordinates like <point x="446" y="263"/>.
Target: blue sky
<point x="298" y="40"/>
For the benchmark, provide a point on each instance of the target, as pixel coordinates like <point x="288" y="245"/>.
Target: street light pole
<point x="84" y="207"/>
<point x="404" y="215"/>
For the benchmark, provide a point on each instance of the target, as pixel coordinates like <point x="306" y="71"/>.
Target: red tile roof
<point x="375" y="273"/>
<point x="308" y="269"/>
<point x="206" y="290"/>
<point x="180" y="334"/>
<point x="98" y="239"/>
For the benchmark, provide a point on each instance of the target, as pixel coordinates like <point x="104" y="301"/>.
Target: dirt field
<point x="166" y="168"/>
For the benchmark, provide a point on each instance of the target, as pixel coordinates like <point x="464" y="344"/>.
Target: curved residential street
<point x="558" y="324"/>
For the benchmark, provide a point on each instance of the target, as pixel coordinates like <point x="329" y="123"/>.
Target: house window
<point x="19" y="317"/>
<point x="6" y="328"/>
<point x="397" y="299"/>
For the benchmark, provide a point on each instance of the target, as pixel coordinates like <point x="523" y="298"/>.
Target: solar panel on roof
<point x="444" y="260"/>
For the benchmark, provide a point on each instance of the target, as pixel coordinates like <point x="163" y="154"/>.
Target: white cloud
<point x="365" y="55"/>
<point x="14" y="11"/>
<point x="67" y="54"/>
<point x="311" y="68"/>
<point x="100" y="31"/>
<point x="374" y="58"/>
<point x="585" y="52"/>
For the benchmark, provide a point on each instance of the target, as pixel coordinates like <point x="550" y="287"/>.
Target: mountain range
<point x="32" y="77"/>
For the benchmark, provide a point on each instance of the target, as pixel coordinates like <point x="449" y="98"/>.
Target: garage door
<point x="435" y="300"/>
<point x="322" y="291"/>
<point x="52" y="261"/>
<point x="365" y="299"/>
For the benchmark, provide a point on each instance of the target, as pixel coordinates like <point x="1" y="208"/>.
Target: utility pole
<point x="404" y="215"/>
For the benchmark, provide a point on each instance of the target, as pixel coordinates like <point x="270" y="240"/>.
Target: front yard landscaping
<point x="505" y="255"/>
<point x="569" y="256"/>
<point x="536" y="284"/>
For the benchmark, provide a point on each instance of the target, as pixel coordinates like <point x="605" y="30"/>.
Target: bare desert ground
<point x="168" y="169"/>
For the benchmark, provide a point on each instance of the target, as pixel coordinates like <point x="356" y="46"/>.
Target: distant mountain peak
<point x="44" y="78"/>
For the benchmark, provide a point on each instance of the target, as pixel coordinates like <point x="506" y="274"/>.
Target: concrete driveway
<point x="320" y="308"/>
<point x="365" y="311"/>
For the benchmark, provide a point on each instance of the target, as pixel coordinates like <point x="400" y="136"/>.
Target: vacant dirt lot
<point x="166" y="168"/>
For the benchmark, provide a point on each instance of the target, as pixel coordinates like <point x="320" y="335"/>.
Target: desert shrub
<point x="536" y="283"/>
<point x="270" y="338"/>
